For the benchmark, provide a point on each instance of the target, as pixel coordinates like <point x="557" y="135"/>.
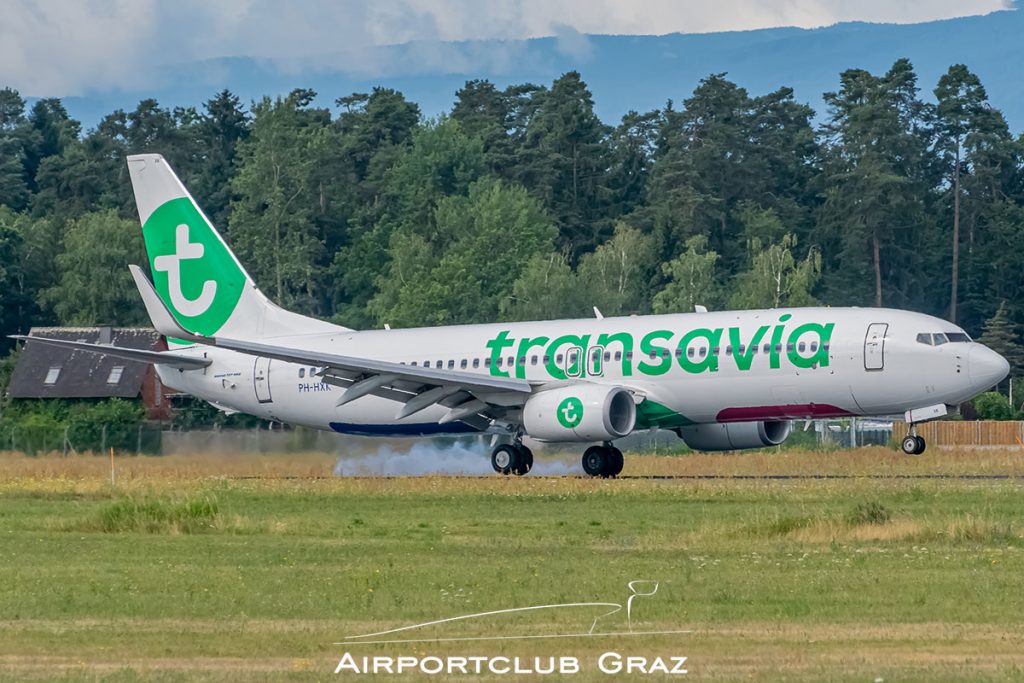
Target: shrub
<point x="993" y="406"/>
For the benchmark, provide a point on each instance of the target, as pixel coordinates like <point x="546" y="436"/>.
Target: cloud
<point x="69" y="47"/>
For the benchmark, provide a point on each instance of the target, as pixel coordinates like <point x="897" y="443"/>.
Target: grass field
<point x="188" y="570"/>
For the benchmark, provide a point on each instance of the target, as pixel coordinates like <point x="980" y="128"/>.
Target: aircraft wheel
<point x="505" y="458"/>
<point x="911" y="446"/>
<point x="921" y="445"/>
<point x="525" y="460"/>
<point x="615" y="462"/>
<point x="595" y="461"/>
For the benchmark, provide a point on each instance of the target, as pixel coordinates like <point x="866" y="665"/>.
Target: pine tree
<point x="1001" y="335"/>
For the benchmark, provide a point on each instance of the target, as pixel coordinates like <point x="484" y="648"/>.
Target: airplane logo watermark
<point x="637" y="589"/>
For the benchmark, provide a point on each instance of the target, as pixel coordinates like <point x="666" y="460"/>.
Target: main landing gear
<point x="512" y="458"/>
<point x="913" y="444"/>
<point x="603" y="461"/>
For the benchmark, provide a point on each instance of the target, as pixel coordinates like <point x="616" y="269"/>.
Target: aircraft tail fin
<point x="195" y="273"/>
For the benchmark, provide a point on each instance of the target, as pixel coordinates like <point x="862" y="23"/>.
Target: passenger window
<point x="547" y="359"/>
<point x="487" y="362"/>
<point x="533" y="360"/>
<point x="665" y="353"/>
<point x="608" y="355"/>
<point x="451" y="365"/>
<point x="714" y="351"/>
<point x="558" y="359"/>
<point x="653" y="355"/>
<point x="476" y="363"/>
<point x="703" y="351"/>
<point x="440" y="364"/>
<point x="414" y="363"/>
<point x="426" y="363"/>
<point x="618" y="355"/>
<point x="789" y="347"/>
<point x="511" y="361"/>
<point x="302" y="372"/>
<point x="767" y="348"/>
<point x="463" y="364"/>
<point x="801" y="346"/>
<point x="814" y="346"/>
<point x="522" y="360"/>
<point x="629" y="355"/>
<point x="690" y="352"/>
<point x="501" y="362"/>
<point x="741" y="350"/>
<point x="728" y="350"/>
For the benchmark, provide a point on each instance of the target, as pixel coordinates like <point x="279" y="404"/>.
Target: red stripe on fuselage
<point x="788" y="412"/>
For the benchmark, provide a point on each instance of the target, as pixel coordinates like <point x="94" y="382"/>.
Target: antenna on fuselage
<point x="598" y="314"/>
<point x="700" y="309"/>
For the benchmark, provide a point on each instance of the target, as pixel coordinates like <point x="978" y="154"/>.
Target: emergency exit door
<point x="874" y="346"/>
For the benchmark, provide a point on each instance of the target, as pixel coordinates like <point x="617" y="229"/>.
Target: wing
<point x="469" y="397"/>
<point x="168" y="358"/>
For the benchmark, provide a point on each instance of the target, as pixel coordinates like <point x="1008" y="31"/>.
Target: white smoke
<point x="426" y="458"/>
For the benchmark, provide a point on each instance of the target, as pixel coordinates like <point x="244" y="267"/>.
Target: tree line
<point x="520" y="203"/>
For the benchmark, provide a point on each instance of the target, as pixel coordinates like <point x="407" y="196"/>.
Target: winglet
<point x="162" y="319"/>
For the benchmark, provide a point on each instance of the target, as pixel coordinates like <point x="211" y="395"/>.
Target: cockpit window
<point x="940" y="338"/>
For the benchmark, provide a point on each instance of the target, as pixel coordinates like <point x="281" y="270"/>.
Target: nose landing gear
<point x="913" y="444"/>
<point x="603" y="461"/>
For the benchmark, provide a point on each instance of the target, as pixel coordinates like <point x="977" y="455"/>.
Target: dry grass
<point x="871" y="461"/>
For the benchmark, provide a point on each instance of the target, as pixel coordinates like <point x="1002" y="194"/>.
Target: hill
<point x="643" y="71"/>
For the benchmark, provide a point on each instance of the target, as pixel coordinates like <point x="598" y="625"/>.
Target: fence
<point x="138" y="439"/>
<point x="973" y="433"/>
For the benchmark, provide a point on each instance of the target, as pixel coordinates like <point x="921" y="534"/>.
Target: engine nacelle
<point x="733" y="436"/>
<point x="581" y="412"/>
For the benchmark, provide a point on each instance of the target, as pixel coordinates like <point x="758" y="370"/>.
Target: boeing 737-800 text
<point x="721" y="380"/>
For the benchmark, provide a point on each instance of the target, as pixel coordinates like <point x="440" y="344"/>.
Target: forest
<point x="519" y="203"/>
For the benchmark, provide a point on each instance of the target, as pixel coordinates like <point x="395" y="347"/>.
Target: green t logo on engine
<point x="570" y="412"/>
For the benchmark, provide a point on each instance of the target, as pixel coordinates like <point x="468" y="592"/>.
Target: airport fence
<point x="969" y="433"/>
<point x="141" y="439"/>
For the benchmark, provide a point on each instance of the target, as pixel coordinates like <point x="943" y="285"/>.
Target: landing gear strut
<point x="603" y="461"/>
<point x="512" y="458"/>
<point x="913" y="444"/>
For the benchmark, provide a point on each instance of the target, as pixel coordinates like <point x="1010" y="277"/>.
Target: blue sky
<point x="70" y="47"/>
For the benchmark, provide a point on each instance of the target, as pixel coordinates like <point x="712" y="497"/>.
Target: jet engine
<point x="580" y="412"/>
<point x="733" y="436"/>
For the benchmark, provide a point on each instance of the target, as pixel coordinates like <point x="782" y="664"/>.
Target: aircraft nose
<point x="986" y="367"/>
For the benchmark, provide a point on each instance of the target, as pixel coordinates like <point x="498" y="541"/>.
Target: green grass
<point x="179" y="579"/>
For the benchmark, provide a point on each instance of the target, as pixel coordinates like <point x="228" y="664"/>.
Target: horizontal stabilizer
<point x="167" y="358"/>
<point x="162" y="319"/>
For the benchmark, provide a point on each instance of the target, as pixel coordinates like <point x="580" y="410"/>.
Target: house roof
<point x="46" y="371"/>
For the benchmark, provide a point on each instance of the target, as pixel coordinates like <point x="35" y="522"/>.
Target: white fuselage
<point x="688" y="368"/>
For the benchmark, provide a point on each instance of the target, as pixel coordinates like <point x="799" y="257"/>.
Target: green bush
<point x="993" y="406"/>
<point x="39" y="425"/>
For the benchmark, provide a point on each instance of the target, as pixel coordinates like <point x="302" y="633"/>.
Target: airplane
<point x="723" y="380"/>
